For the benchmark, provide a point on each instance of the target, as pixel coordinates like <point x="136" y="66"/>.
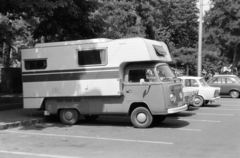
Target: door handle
<point x="129" y="91"/>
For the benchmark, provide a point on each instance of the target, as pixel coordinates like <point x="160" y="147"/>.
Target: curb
<point x="21" y="123"/>
<point x="11" y="106"/>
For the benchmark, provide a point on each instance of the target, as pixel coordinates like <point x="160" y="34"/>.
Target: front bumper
<point x="214" y="99"/>
<point x="177" y="109"/>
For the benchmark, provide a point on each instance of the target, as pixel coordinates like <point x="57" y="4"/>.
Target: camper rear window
<point x="92" y="57"/>
<point x="35" y="64"/>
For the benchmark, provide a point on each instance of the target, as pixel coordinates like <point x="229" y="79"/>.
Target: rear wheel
<point x="198" y="101"/>
<point x="91" y="117"/>
<point x="69" y="116"/>
<point x="234" y="94"/>
<point x="141" y="117"/>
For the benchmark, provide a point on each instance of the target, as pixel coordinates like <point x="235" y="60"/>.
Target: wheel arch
<point x="234" y="89"/>
<point x="61" y="108"/>
<point x="138" y="104"/>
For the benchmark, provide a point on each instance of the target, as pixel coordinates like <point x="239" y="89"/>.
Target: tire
<point x="198" y="101"/>
<point x="158" y="119"/>
<point x="234" y="94"/>
<point x="69" y="116"/>
<point x="141" y="117"/>
<point x="91" y="117"/>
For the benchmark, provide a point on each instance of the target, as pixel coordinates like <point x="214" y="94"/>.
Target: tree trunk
<point x="234" y="59"/>
<point x="6" y="55"/>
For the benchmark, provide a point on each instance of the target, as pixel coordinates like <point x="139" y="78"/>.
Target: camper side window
<point x="35" y="64"/>
<point x="92" y="57"/>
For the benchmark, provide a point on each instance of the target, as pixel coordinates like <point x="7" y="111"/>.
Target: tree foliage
<point x="120" y="19"/>
<point x="174" y="22"/>
<point x="57" y="19"/>
<point x="222" y="28"/>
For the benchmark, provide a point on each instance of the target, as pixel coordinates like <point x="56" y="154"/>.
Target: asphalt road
<point x="212" y="131"/>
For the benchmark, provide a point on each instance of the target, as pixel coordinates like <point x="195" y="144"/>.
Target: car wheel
<point x="234" y="94"/>
<point x="198" y="101"/>
<point x="69" y="116"/>
<point x="141" y="117"/>
<point x="158" y="119"/>
<point x="91" y="117"/>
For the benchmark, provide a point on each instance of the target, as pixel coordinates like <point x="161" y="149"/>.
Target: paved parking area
<point x="210" y="131"/>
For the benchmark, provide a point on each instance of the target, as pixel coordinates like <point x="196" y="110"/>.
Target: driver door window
<point x="136" y="75"/>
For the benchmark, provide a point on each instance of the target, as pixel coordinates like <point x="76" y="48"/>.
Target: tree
<point x="120" y="19"/>
<point x="222" y="29"/>
<point x="14" y="34"/>
<point x="185" y="58"/>
<point x="174" y="22"/>
<point x="57" y="19"/>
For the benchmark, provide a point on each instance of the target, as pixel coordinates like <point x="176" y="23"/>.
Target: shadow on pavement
<point x="211" y="105"/>
<point x="115" y="121"/>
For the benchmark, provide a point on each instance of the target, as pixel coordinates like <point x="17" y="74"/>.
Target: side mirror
<point x="142" y="81"/>
<point x="151" y="78"/>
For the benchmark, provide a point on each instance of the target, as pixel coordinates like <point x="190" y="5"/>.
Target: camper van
<point x="102" y="77"/>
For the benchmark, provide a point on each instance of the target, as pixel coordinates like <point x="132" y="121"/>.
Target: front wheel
<point x="198" y="101"/>
<point x="234" y="94"/>
<point x="69" y="116"/>
<point x="141" y="117"/>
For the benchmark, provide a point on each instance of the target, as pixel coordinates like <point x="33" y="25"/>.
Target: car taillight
<point x="216" y="93"/>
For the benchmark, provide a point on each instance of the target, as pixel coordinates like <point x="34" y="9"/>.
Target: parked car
<point x="205" y="94"/>
<point x="230" y="84"/>
<point x="189" y="95"/>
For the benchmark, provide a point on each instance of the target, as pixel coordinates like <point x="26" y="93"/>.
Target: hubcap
<point x="68" y="115"/>
<point x="234" y="94"/>
<point x="141" y="117"/>
<point x="197" y="100"/>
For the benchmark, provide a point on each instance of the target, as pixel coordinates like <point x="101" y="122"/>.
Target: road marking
<point x="186" y="129"/>
<point x="209" y="114"/>
<point x="226" y="105"/>
<point x="35" y="154"/>
<point x="229" y="109"/>
<point x="98" y="138"/>
<point x="201" y="120"/>
<point x="220" y="109"/>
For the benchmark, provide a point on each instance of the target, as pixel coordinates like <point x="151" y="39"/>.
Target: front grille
<point x="186" y="98"/>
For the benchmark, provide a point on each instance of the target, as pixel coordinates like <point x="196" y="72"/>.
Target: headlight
<point x="172" y="97"/>
<point x="181" y="95"/>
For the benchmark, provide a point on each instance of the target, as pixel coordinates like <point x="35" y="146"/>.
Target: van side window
<point x="147" y="74"/>
<point x="92" y="57"/>
<point x="35" y="64"/>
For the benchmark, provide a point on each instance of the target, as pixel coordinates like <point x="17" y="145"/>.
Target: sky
<point x="206" y="5"/>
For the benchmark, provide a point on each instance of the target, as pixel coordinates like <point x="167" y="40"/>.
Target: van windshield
<point x="165" y="73"/>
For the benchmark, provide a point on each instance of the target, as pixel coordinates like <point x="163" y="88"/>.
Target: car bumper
<point x="178" y="109"/>
<point x="214" y="99"/>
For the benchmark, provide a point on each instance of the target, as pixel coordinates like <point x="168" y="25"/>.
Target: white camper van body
<point x="61" y="75"/>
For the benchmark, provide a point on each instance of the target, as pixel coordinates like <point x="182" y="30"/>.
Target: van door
<point x="141" y="85"/>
